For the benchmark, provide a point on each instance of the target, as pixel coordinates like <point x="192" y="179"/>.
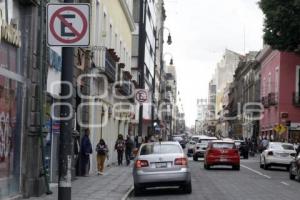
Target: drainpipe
<point x="41" y="100"/>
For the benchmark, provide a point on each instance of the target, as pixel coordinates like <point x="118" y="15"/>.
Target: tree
<point x="282" y="24"/>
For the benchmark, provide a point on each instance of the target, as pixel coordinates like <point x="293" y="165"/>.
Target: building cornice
<point x="263" y="53"/>
<point x="128" y="15"/>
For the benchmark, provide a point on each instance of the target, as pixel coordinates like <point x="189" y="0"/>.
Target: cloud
<point x="201" y="30"/>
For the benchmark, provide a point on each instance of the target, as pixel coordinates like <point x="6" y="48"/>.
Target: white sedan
<point x="277" y="154"/>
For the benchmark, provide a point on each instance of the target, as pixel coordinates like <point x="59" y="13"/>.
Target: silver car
<point x="161" y="164"/>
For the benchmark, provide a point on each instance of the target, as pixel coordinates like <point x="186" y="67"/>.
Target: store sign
<point x="295" y="126"/>
<point x="8" y="32"/>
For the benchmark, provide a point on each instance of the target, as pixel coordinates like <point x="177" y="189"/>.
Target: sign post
<point x="67" y="27"/>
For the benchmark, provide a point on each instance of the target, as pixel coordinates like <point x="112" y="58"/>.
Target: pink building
<point x="280" y="88"/>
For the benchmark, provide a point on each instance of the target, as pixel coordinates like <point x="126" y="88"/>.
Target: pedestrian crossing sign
<point x="280" y="129"/>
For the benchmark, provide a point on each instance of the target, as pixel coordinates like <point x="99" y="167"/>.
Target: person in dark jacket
<point x="120" y="147"/>
<point x="129" y="147"/>
<point x="85" y="151"/>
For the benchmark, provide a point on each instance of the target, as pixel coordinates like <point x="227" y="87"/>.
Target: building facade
<point x="280" y="94"/>
<point x="110" y="85"/>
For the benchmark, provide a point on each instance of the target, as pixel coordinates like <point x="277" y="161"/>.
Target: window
<point x="264" y="87"/>
<point x="110" y="37"/>
<point x="223" y="145"/>
<point x="104" y="29"/>
<point x="160" y="149"/>
<point x="116" y="42"/>
<point x="297" y="80"/>
<point x="120" y="50"/>
<point x="276" y="83"/>
<point x="269" y="82"/>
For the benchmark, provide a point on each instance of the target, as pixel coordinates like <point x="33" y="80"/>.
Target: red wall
<point x="271" y="114"/>
<point x="288" y="63"/>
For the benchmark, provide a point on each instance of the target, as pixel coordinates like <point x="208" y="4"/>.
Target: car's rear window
<point x="177" y="138"/>
<point x="220" y="145"/>
<point x="205" y="141"/>
<point x="160" y="149"/>
<point x="282" y="146"/>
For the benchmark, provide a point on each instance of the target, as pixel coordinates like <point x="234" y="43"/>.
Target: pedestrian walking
<point x="102" y="152"/>
<point x="85" y="150"/>
<point x="128" y="150"/>
<point x="120" y="147"/>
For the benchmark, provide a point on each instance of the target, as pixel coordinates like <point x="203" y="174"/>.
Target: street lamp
<point x="169" y="41"/>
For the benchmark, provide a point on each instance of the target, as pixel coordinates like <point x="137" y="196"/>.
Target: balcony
<point x="273" y="99"/>
<point x="168" y="88"/>
<point x="125" y="88"/>
<point x="265" y="102"/>
<point x="296" y="99"/>
<point x="110" y="66"/>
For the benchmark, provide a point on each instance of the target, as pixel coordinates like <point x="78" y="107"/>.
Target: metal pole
<point x="65" y="147"/>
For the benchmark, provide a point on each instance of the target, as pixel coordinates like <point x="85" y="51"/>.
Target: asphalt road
<point x="222" y="183"/>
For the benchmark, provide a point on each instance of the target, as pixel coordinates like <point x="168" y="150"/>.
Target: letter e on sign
<point x="68" y="25"/>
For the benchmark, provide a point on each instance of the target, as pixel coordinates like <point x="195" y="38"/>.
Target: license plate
<point x="161" y="165"/>
<point x="223" y="159"/>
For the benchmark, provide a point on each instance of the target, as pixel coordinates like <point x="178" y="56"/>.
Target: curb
<point x="125" y="196"/>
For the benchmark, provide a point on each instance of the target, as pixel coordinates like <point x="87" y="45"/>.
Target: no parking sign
<point x="68" y="25"/>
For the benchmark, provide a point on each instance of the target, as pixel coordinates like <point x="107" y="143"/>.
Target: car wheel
<point x="236" y="167"/>
<point x="137" y="190"/>
<point x="188" y="188"/>
<point x="298" y="173"/>
<point x="292" y="176"/>
<point x="206" y="166"/>
<point x="195" y="158"/>
<point x="266" y="166"/>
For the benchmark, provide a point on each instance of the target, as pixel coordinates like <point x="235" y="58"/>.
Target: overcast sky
<point x="201" y="30"/>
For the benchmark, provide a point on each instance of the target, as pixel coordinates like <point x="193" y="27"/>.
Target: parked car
<point x="220" y="152"/>
<point x="199" y="150"/>
<point x="244" y="150"/>
<point x="238" y="143"/>
<point x="161" y="164"/>
<point x="201" y="146"/>
<point x="277" y="154"/>
<point x="295" y="168"/>
<point x="190" y="148"/>
<point x="180" y="140"/>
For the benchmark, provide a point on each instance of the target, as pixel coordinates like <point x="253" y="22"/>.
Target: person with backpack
<point x="102" y="151"/>
<point x="120" y="147"/>
<point x="129" y="147"/>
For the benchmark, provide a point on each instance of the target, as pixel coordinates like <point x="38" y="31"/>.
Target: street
<point x="220" y="183"/>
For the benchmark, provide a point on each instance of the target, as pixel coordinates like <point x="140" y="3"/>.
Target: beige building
<point x="111" y="47"/>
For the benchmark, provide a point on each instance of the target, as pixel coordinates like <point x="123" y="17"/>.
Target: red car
<point x="221" y="152"/>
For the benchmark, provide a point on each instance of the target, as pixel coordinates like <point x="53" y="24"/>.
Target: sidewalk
<point x="113" y="185"/>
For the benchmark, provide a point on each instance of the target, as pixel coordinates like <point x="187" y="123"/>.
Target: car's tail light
<point x="270" y="153"/>
<point x="181" y="161"/>
<point x="141" y="163"/>
<point x="236" y="151"/>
